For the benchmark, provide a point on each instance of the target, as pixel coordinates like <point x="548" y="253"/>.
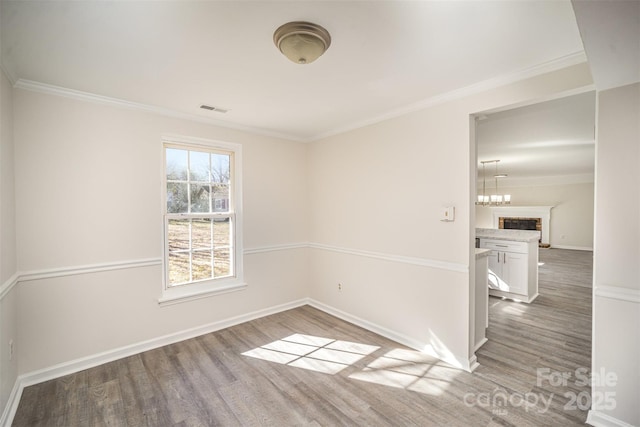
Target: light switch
<point x="448" y="214"/>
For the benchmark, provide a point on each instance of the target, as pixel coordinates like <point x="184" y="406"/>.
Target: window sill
<point x="189" y="293"/>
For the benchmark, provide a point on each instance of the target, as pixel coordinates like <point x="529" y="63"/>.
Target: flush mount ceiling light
<point x="302" y="42"/>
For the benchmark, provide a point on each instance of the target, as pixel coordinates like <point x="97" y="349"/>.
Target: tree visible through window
<point x="199" y="216"/>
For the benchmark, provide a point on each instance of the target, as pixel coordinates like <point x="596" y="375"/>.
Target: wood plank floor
<point x="305" y="367"/>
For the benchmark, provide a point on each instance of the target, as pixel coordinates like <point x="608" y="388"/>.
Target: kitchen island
<point x="513" y="262"/>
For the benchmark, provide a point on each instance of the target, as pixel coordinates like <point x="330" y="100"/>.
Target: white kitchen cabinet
<point x="509" y="272"/>
<point x="480" y="308"/>
<point x="513" y="269"/>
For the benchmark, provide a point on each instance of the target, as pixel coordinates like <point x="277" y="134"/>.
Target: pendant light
<point x="493" y="199"/>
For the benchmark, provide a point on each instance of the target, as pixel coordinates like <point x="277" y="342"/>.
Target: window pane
<point x="178" y="268"/>
<point x="201" y="265"/>
<point x="176" y="166"/>
<point x="199" y="166"/>
<point x="178" y="234"/>
<point x="221" y="232"/>
<point x="220" y="197"/>
<point x="200" y="195"/>
<point x="220" y="170"/>
<point x="201" y="233"/>
<point x="221" y="263"/>
<point x="177" y="200"/>
<point x="199" y="245"/>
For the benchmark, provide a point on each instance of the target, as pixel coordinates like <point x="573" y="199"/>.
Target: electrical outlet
<point x="10" y="349"/>
<point x="340" y="286"/>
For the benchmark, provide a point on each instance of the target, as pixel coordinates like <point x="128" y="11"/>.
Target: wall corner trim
<point x="9" y="284"/>
<point x="10" y="77"/>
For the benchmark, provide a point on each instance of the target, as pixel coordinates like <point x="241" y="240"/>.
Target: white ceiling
<point x="611" y="34"/>
<point x="385" y="55"/>
<point x="549" y="142"/>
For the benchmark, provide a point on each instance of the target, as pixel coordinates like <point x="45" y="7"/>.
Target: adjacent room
<point x="282" y="212"/>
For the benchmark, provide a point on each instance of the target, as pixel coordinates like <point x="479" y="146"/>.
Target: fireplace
<point x="518" y="223"/>
<point x="522" y="218"/>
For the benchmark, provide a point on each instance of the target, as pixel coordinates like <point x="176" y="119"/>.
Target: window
<point x="201" y="189"/>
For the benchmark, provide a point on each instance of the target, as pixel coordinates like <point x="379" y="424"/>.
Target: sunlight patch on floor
<point x="313" y="353"/>
<point x="409" y="370"/>
<point x="515" y="309"/>
<point x="399" y="368"/>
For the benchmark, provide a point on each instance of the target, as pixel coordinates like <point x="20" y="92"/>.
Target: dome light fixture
<point x="302" y="42"/>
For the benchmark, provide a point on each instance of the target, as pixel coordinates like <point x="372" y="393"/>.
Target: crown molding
<point x="48" y="89"/>
<point x="546" y="67"/>
<point x="553" y="65"/>
<point x="542" y="181"/>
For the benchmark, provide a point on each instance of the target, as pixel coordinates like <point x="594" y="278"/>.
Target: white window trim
<point x="177" y="294"/>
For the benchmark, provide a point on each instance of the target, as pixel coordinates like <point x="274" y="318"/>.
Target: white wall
<point x="8" y="265"/>
<point x="616" y="305"/>
<point x="380" y="189"/>
<point x="88" y="186"/>
<point x="571" y="224"/>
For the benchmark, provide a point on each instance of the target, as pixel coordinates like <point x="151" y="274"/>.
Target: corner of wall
<point x="8" y="262"/>
<point x="616" y="300"/>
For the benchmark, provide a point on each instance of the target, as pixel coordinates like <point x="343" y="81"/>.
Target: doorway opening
<point x="547" y="152"/>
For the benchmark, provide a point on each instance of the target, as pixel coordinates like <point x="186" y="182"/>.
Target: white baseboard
<point x="12" y="405"/>
<point x="466" y="364"/>
<point x="599" y="419"/>
<point x="502" y="294"/>
<point x="473" y="363"/>
<point x="77" y="365"/>
<point x="70" y="367"/>
<point x="573" y="248"/>
<point x="480" y="344"/>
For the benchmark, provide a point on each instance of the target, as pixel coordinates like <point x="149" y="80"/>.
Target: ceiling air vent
<point x="212" y="108"/>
